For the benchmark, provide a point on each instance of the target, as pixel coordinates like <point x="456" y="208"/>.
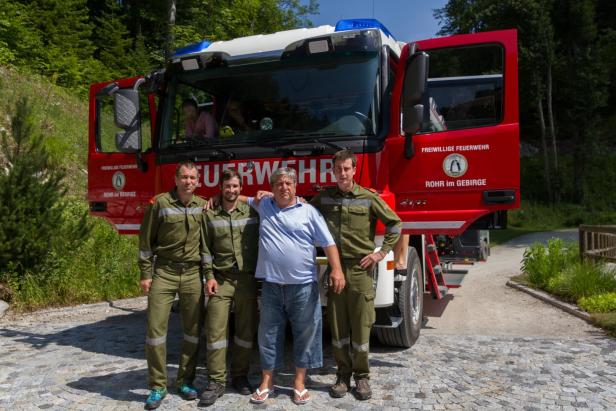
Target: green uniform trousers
<point x="166" y="282"/>
<point x="351" y="315"/>
<point x="240" y="290"/>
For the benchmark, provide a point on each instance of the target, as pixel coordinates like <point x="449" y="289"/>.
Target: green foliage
<point x="103" y="267"/>
<point x="77" y="42"/>
<point x="31" y="200"/>
<point x="600" y="303"/>
<point x="542" y="264"/>
<point x="582" y="279"/>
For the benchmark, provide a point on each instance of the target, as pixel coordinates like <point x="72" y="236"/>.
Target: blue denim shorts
<point x="301" y="305"/>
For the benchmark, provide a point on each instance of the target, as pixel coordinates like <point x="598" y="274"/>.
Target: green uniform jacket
<point x="170" y="231"/>
<point x="230" y="240"/>
<point x="351" y="218"/>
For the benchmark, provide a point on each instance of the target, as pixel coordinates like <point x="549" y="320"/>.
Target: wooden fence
<point x="598" y="242"/>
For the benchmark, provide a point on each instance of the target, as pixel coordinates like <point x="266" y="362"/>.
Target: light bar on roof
<point x="191" y="49"/>
<point x="358" y="24"/>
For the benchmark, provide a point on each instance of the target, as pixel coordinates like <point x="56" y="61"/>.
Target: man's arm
<point x="336" y="276"/>
<point x="393" y="228"/>
<point x="147" y="239"/>
<point x="207" y="259"/>
<point x="393" y="224"/>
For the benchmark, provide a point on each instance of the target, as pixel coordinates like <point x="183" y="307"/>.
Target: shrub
<point x="541" y="264"/>
<point x="582" y="279"/>
<point x="601" y="303"/>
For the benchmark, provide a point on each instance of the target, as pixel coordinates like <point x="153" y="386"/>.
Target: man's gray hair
<point x="283" y="172"/>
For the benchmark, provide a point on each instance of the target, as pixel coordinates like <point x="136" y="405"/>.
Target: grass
<point x="62" y="116"/>
<point x="104" y="267"/>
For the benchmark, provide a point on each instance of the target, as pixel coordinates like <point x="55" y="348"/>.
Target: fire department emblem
<point x="455" y="165"/>
<point x="118" y="180"/>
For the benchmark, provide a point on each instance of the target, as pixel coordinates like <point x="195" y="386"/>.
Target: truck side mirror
<point x="127" y="116"/>
<point x="414" y="88"/>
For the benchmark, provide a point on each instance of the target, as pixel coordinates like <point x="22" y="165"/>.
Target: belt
<point x="233" y="271"/>
<point x="177" y="264"/>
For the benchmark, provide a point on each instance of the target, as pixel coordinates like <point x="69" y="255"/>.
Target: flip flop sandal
<point x="301" y="397"/>
<point x="262" y="396"/>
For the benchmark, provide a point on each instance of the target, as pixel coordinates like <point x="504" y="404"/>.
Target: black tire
<point x="408" y="304"/>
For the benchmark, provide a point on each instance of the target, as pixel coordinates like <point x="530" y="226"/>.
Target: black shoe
<point x="362" y="389"/>
<point x="213" y="391"/>
<point x="341" y="387"/>
<point x="242" y="385"/>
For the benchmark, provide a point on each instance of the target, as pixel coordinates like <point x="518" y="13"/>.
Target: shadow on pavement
<point x="107" y="385"/>
<point x="118" y="336"/>
<point x="435" y="308"/>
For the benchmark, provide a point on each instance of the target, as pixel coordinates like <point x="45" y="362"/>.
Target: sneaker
<point x="155" y="398"/>
<point x="242" y="385"/>
<point x="341" y="387"/>
<point x="187" y="392"/>
<point x="362" y="389"/>
<point x="213" y="391"/>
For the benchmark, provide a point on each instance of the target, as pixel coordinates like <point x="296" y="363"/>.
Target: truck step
<point x="454" y="278"/>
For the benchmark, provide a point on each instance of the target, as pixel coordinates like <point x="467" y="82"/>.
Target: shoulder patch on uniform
<point x="156" y="197"/>
<point x="372" y="190"/>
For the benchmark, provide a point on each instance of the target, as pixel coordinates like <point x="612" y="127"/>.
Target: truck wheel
<point x="408" y="304"/>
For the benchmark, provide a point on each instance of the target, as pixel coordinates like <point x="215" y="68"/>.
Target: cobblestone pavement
<point x="91" y="357"/>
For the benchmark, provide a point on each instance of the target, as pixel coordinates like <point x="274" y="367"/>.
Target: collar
<point x="176" y="198"/>
<point x="297" y="203"/>
<point x="239" y="208"/>
<point x="354" y="191"/>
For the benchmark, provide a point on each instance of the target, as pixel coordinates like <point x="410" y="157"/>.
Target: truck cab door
<point x="461" y="164"/>
<point x="121" y="163"/>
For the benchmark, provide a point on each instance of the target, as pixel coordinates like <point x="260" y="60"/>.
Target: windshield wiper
<point x="207" y="145"/>
<point x="328" y="143"/>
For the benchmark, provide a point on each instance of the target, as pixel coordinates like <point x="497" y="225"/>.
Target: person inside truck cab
<point x="234" y="119"/>
<point x="199" y="123"/>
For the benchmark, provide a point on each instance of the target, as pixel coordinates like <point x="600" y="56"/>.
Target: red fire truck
<point x="434" y="125"/>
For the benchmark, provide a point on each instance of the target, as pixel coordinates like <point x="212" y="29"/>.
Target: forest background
<point x="51" y="50"/>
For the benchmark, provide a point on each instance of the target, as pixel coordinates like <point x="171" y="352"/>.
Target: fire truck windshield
<point x="329" y="95"/>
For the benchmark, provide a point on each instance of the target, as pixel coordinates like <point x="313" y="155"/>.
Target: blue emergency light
<point x="192" y="48"/>
<point x="358" y="24"/>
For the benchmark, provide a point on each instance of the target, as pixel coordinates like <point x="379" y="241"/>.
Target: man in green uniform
<point x="231" y="238"/>
<point x="351" y="213"/>
<point x="169" y="260"/>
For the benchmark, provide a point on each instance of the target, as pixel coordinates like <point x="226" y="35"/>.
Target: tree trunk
<point x="544" y="146"/>
<point x="552" y="129"/>
<point x="169" y="47"/>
